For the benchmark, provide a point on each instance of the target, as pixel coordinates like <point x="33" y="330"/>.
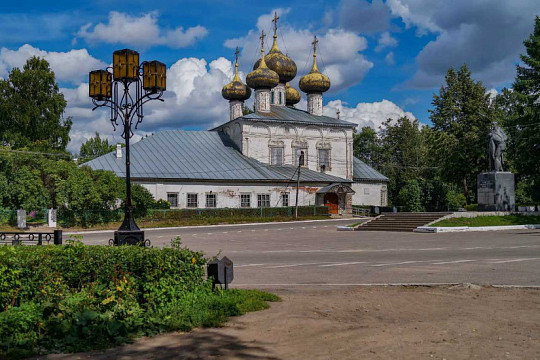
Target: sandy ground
<point x="363" y="323"/>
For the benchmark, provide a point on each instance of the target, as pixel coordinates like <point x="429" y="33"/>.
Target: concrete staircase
<point x="400" y="221"/>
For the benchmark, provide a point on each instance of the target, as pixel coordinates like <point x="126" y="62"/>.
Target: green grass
<point x="489" y="221"/>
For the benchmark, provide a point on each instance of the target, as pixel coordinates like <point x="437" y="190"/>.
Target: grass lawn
<point x="489" y="221"/>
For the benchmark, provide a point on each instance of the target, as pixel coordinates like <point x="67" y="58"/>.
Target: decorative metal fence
<point x="30" y="238"/>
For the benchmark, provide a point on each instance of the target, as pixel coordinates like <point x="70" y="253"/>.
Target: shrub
<point x="142" y="200"/>
<point x="410" y="196"/>
<point x="471" y="207"/>
<point x="455" y="200"/>
<point x="76" y="297"/>
<point x="162" y="204"/>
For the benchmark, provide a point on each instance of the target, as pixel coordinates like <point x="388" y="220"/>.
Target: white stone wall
<point x="228" y="195"/>
<point x="262" y="100"/>
<point x="278" y="91"/>
<point x="315" y="104"/>
<point x="257" y="138"/>
<point x="235" y="108"/>
<point x="369" y="193"/>
<point x="234" y="130"/>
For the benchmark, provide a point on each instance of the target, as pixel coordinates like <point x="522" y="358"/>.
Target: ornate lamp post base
<point x="129" y="237"/>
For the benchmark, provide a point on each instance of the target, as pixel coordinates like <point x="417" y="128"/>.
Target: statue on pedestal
<point x="497" y="144"/>
<point x="496" y="189"/>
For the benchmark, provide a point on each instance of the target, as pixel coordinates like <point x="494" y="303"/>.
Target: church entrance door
<point x="331" y="200"/>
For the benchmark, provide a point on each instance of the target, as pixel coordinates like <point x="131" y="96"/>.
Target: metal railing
<point x="30" y="238"/>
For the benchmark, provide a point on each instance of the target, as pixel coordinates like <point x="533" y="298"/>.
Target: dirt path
<point x="363" y="323"/>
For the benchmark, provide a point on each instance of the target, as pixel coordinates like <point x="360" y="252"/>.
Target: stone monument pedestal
<point x="496" y="191"/>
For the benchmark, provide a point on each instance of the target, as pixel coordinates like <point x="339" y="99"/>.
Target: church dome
<point x="262" y="77"/>
<point x="292" y="96"/>
<point x="283" y="65"/>
<point x="315" y="81"/>
<point x="236" y="89"/>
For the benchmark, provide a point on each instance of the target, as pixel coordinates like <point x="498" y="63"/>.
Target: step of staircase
<point x="400" y="221"/>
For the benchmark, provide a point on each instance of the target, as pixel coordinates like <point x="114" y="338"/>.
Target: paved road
<point x="315" y="253"/>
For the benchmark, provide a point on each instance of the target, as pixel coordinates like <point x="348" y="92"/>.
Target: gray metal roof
<point x="361" y="171"/>
<point x="198" y="155"/>
<point x="294" y="116"/>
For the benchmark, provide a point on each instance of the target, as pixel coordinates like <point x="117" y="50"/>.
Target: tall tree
<point x="403" y="151"/>
<point x="526" y="122"/>
<point x="94" y="147"/>
<point x="366" y="146"/>
<point x="32" y="108"/>
<point x="461" y="118"/>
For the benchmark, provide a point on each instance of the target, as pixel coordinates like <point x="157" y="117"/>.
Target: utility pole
<point x="300" y="164"/>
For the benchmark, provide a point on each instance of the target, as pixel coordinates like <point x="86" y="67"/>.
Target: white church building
<point x="253" y="160"/>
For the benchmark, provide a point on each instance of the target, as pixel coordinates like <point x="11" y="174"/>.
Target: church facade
<point x="256" y="159"/>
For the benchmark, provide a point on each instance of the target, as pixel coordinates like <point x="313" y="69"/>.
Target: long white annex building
<point x="252" y="160"/>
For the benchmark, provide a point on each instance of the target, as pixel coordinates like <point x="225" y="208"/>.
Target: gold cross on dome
<point x="263" y="35"/>
<point x="314" y="43"/>
<point x="236" y="54"/>
<point x="276" y="18"/>
<point x="338" y="112"/>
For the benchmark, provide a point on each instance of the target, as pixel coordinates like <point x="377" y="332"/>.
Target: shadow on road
<point x="204" y="344"/>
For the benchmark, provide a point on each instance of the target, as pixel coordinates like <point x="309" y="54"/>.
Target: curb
<point x="501" y="286"/>
<point x="207" y="226"/>
<point x="428" y="229"/>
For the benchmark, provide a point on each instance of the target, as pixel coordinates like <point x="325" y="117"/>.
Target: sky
<point x="385" y="58"/>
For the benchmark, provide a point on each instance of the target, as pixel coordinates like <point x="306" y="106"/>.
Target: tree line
<point x="434" y="167"/>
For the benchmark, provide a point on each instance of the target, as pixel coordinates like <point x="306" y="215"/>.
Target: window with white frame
<point x="211" y="200"/>
<point x="245" y="200"/>
<point x="285" y="199"/>
<point x="263" y="200"/>
<point x="324" y="160"/>
<point x="172" y="198"/>
<point x="192" y="201"/>
<point x="297" y="153"/>
<point x="276" y="156"/>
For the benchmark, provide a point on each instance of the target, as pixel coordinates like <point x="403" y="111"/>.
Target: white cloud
<point x="389" y="58"/>
<point x="386" y="41"/>
<point x="71" y="66"/>
<point x="486" y="35"/>
<point x="417" y="13"/>
<point x="338" y="54"/>
<point x="367" y="114"/>
<point x="142" y="31"/>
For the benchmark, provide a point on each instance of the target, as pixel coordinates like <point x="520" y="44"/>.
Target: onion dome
<point x="315" y="81"/>
<point x="236" y="89"/>
<point x="283" y="65"/>
<point x="292" y="96"/>
<point x="262" y="77"/>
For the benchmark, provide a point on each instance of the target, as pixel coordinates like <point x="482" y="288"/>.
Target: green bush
<point x="410" y="197"/>
<point x="181" y="214"/>
<point x="471" y="207"/>
<point x="76" y="297"/>
<point x="162" y="204"/>
<point x="528" y="192"/>
<point x="455" y="200"/>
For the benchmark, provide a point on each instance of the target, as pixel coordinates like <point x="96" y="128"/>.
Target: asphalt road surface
<point x="315" y="253"/>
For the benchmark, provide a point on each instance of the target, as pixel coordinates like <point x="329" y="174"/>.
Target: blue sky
<point x="385" y="58"/>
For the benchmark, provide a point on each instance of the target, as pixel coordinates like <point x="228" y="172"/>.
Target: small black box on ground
<point x="221" y="271"/>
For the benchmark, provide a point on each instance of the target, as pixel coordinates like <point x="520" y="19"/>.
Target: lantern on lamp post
<point x="112" y="90"/>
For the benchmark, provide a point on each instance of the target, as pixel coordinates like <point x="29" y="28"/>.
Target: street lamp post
<point x="112" y="90"/>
